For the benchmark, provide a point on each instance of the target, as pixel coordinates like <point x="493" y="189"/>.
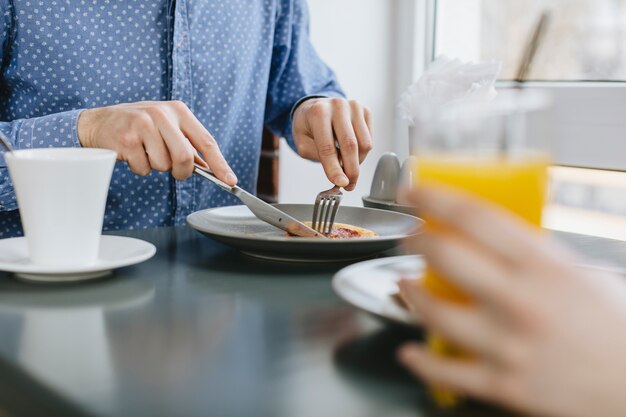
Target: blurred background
<point x="378" y="47"/>
<point x="587" y="37"/>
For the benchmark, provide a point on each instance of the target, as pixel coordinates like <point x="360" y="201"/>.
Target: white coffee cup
<point x="61" y="193"/>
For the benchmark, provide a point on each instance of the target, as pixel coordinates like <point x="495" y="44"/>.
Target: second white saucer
<point x="371" y="285"/>
<point x="115" y="252"/>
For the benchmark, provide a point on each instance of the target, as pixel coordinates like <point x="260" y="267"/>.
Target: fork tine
<point x="316" y="209"/>
<point x="330" y="201"/>
<point x="321" y="214"/>
<point x="327" y="208"/>
<point x="334" y="214"/>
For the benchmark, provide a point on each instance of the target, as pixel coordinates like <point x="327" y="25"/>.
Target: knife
<point x="260" y="208"/>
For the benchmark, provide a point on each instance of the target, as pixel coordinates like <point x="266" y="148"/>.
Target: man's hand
<point x="322" y="124"/>
<point x="547" y="335"/>
<point x="161" y="136"/>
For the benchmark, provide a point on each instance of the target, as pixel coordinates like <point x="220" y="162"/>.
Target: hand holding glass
<point x="497" y="151"/>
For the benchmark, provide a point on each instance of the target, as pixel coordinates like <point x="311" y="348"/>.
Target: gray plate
<point x="237" y="226"/>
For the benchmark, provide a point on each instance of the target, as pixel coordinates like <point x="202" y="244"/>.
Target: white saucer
<point x="115" y="252"/>
<point x="370" y="285"/>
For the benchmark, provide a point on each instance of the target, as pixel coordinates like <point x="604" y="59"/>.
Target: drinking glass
<point x="498" y="151"/>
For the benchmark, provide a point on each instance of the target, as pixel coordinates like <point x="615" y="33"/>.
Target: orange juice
<point x="519" y="185"/>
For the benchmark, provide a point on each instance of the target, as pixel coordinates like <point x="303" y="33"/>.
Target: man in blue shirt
<point x="161" y="80"/>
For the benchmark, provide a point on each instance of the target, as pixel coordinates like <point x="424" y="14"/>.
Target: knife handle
<point x="208" y="174"/>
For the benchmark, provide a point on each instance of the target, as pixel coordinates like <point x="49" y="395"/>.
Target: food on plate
<point x="348" y="231"/>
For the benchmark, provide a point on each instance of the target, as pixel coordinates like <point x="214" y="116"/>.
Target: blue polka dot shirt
<point x="237" y="64"/>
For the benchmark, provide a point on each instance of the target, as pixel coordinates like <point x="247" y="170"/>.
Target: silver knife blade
<point x="261" y="209"/>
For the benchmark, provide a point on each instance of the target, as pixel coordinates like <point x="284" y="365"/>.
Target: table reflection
<point x="63" y="337"/>
<point x="368" y="364"/>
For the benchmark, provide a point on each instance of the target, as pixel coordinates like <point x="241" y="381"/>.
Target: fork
<point x="325" y="210"/>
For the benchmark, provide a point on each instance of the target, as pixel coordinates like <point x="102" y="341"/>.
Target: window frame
<point x="590" y="117"/>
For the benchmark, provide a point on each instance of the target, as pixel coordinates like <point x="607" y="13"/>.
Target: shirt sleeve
<point x="54" y="130"/>
<point x="297" y="71"/>
<point x="51" y="131"/>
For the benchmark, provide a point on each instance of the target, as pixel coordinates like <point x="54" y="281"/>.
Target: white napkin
<point x="448" y="81"/>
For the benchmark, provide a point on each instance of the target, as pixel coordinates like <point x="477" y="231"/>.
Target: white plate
<point x="370" y="285"/>
<point x="115" y="252"/>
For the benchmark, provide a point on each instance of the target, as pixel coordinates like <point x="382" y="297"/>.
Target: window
<point x="582" y="63"/>
<point x="586" y="38"/>
<point x="587" y="201"/>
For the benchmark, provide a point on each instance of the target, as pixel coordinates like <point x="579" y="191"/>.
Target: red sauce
<point x="341" y="233"/>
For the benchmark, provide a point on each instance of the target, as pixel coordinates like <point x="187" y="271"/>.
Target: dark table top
<point x="200" y="330"/>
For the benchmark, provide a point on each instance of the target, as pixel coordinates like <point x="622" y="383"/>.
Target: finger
<point x="203" y="141"/>
<point x="182" y="153"/>
<point x="156" y="150"/>
<point x="368" y="120"/>
<point x="321" y="127"/>
<point x="348" y="144"/>
<point x="466" y="327"/>
<point x="138" y="162"/>
<point x="501" y="233"/>
<point x="305" y="145"/>
<point x="463" y="377"/>
<point x="198" y="160"/>
<point x="361" y="129"/>
<point x="470" y="268"/>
